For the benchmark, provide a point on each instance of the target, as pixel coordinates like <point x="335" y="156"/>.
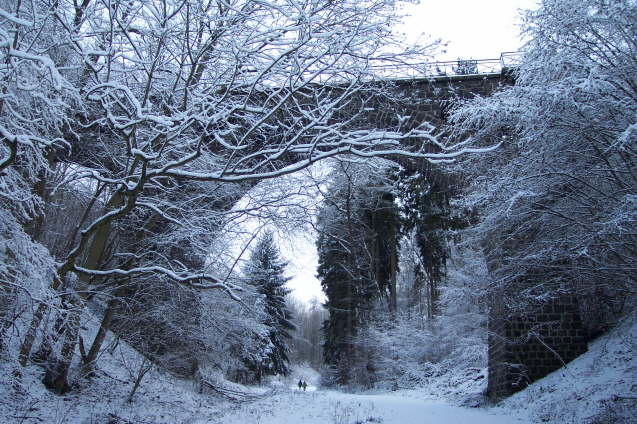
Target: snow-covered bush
<point x="408" y="350"/>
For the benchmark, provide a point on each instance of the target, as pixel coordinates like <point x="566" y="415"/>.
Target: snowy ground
<point x="330" y="407"/>
<point x="599" y="387"/>
<point x="164" y="399"/>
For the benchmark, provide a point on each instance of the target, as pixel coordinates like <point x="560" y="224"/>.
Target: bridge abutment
<point x="524" y="347"/>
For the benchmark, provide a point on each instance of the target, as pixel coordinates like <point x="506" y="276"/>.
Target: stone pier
<point x="524" y="347"/>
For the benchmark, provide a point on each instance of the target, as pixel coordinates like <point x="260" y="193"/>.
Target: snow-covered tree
<point x="306" y="345"/>
<point x="265" y="270"/>
<point x="411" y="348"/>
<point x="558" y="199"/>
<point x="428" y="221"/>
<point x="357" y="230"/>
<point x="161" y="105"/>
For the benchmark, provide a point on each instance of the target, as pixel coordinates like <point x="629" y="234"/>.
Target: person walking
<point x="304" y="386"/>
<point x="300" y="384"/>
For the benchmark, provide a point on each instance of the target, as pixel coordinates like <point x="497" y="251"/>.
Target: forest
<point x="156" y="155"/>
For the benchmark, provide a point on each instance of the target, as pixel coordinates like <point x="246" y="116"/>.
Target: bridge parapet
<point x="452" y="68"/>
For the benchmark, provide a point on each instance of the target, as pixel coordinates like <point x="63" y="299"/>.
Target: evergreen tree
<point x="357" y="262"/>
<point x="265" y="270"/>
<point x="428" y="216"/>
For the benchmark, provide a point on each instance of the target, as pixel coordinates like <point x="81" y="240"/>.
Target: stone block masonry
<point x="524" y="347"/>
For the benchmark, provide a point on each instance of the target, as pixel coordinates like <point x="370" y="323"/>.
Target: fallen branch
<point x="537" y="336"/>
<point x="615" y="398"/>
<point x="111" y="377"/>
<point x="230" y="394"/>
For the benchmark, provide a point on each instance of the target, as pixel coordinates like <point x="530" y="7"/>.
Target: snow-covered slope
<point x="598" y="387"/>
<point x="161" y="398"/>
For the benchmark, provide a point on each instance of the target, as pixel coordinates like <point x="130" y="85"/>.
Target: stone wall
<point x="524" y="347"/>
<point x="428" y="99"/>
<point x="406" y="104"/>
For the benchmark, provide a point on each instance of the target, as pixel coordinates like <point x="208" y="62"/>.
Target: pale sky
<point x="475" y="29"/>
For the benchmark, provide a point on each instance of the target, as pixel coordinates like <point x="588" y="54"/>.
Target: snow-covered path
<point x="329" y="407"/>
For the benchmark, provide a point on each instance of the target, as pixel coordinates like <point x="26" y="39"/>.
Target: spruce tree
<point x="356" y="246"/>
<point x="426" y="209"/>
<point x="265" y="270"/>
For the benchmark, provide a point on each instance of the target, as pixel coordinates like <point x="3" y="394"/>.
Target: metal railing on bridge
<point x="450" y="68"/>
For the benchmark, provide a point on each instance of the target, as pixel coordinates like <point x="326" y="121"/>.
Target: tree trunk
<point x="29" y="338"/>
<point x="97" y="247"/>
<point x="144" y="367"/>
<point x="42" y="355"/>
<point x="35" y="227"/>
<point x="111" y="306"/>
<point x="6" y="296"/>
<point x="105" y="325"/>
<point x="432" y="298"/>
<point x="56" y="375"/>
<point x="393" y="270"/>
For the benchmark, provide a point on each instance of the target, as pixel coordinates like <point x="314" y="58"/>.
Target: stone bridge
<point x="423" y="95"/>
<point x="523" y="347"/>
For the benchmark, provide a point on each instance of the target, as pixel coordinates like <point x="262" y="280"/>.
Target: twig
<point x="113" y="378"/>
<point x="553" y="351"/>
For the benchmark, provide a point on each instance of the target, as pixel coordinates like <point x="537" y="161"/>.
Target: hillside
<point x="598" y="387"/>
